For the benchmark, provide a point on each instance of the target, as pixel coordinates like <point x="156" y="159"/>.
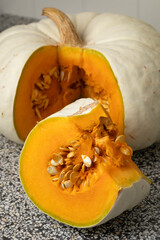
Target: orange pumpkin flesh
<point x="88" y="75"/>
<point x="79" y="206"/>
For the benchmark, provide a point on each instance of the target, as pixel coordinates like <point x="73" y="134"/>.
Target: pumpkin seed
<point x="40" y="86"/>
<point x="120" y="138"/>
<point x="95" y="159"/>
<point x="42" y="96"/>
<point x="106" y="107"/>
<point x="125" y="151"/>
<point x="64" y="149"/>
<point x="61" y="176"/>
<point x="67" y="175"/>
<point x="62" y="184"/>
<point x="63" y="153"/>
<point x="88" y="182"/>
<point x="39" y="100"/>
<point x="77" y="167"/>
<point x="86" y="160"/>
<point x="67" y="184"/>
<point x="52" y="71"/>
<point x="104" y="99"/>
<point x="73" y="142"/>
<point x="70" y="155"/>
<point x="47" y="79"/>
<point x="97" y="150"/>
<point x="57" y="159"/>
<point x="74" y="176"/>
<point x="104" y="102"/>
<point x="52" y="170"/>
<point x="37" y="112"/>
<point x="84" y="183"/>
<point x="35" y="93"/>
<point x="79" y="181"/>
<point x="68" y="161"/>
<point x="71" y="148"/>
<point x="76" y="145"/>
<point x="46" y="86"/>
<point x="55" y="179"/>
<point x="46" y="103"/>
<point x="40" y="105"/>
<point x="69" y="76"/>
<point x="56" y="74"/>
<point x="83" y="168"/>
<point x="70" y="167"/>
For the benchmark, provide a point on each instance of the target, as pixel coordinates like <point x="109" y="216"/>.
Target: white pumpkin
<point x="132" y="48"/>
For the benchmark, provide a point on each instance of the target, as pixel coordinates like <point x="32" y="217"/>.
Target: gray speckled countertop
<point x="20" y="219"/>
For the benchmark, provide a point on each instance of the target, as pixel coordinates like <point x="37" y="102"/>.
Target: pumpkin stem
<point x="67" y="31"/>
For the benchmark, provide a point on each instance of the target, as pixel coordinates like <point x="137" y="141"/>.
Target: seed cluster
<point x="67" y="78"/>
<point x="63" y="169"/>
<point x="104" y="101"/>
<point x="69" y="174"/>
<point x="39" y="98"/>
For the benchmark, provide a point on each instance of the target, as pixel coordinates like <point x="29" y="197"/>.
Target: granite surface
<point x="20" y="219"/>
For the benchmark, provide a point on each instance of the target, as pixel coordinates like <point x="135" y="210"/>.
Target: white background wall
<point x="146" y="10"/>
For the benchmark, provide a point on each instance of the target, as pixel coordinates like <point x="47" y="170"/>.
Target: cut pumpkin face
<point x="54" y="77"/>
<point x="80" y="167"/>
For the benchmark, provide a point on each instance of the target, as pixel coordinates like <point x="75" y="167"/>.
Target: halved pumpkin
<point x="76" y="167"/>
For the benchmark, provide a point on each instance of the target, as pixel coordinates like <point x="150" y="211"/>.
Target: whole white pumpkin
<point x="131" y="47"/>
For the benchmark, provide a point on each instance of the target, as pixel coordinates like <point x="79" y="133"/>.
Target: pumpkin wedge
<point x="111" y="58"/>
<point x="76" y="168"/>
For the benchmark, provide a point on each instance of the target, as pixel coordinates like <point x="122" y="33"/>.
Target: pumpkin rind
<point x="132" y="49"/>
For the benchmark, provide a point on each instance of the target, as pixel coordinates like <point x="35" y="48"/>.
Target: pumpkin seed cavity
<point x="75" y="170"/>
<point x="71" y="84"/>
